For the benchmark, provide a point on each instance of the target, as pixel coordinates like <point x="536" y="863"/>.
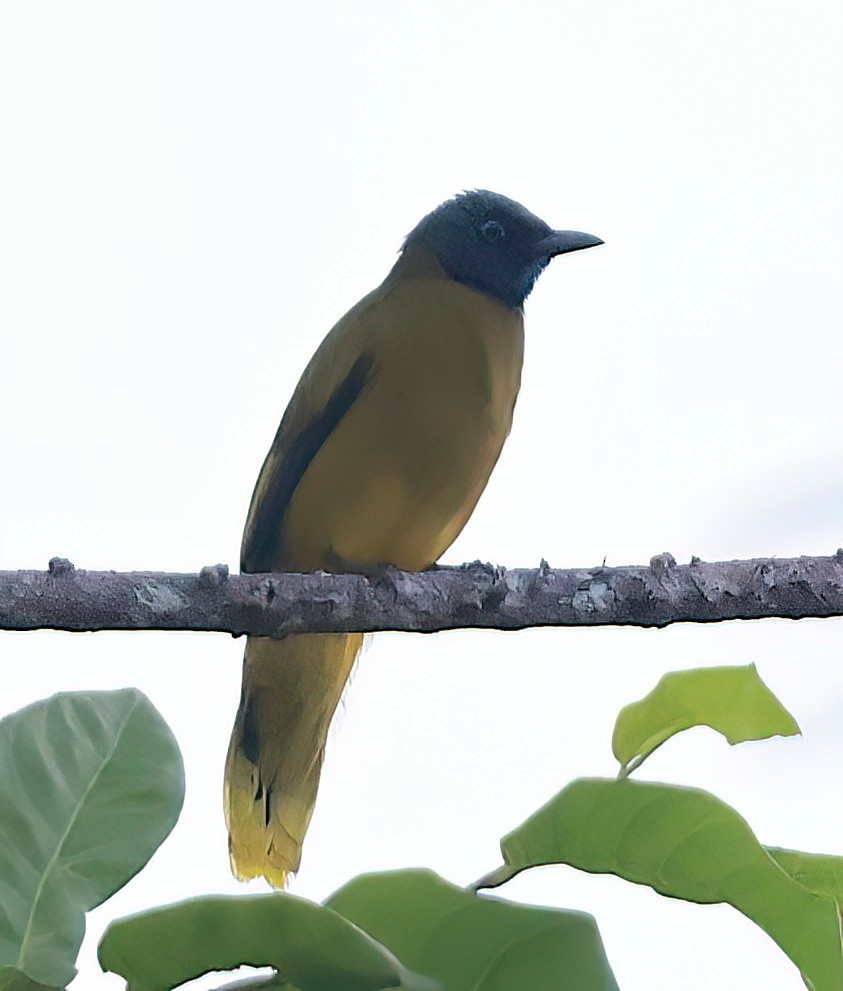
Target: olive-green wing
<point x="297" y="442"/>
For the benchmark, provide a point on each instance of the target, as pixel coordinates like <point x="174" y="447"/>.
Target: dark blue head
<point x="493" y="244"/>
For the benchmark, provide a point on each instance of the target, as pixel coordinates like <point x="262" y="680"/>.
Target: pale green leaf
<point x="687" y="844"/>
<point x="471" y="942"/>
<point x="734" y="701"/>
<point x="90" y="785"/>
<point x="817" y="872"/>
<point x="309" y="945"/>
<point x="12" y="979"/>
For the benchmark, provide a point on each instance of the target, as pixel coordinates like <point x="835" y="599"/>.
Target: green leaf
<point x="274" y="983"/>
<point x="476" y="943"/>
<point x="90" y="785"/>
<point x="310" y="946"/>
<point x="12" y="979"/>
<point x="733" y="701"/>
<point x="687" y="844"/>
<point x="818" y="872"/>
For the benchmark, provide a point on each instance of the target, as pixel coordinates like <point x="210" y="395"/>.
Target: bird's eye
<point x="492" y="231"/>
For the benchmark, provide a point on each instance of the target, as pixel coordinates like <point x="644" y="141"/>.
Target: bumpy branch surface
<point x="475" y="595"/>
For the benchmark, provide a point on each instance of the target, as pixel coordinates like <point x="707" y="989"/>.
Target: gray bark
<point x="475" y="595"/>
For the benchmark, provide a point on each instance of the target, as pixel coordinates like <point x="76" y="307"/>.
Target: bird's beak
<point x="560" y="242"/>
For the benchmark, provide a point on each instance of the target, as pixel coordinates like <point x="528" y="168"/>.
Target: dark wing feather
<point x="260" y="541"/>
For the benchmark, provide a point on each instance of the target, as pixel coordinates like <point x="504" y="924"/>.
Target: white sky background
<point x="193" y="192"/>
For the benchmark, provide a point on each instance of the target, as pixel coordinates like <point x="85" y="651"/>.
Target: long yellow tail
<point x="291" y="689"/>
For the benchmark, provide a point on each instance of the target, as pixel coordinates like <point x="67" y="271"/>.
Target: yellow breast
<point x="398" y="478"/>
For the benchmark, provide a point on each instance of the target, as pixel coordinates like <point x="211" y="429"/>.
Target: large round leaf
<point x="310" y="946"/>
<point x="687" y="844"/>
<point x="470" y="942"/>
<point x="90" y="785"/>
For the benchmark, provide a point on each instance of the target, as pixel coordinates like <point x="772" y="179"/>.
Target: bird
<point x="379" y="460"/>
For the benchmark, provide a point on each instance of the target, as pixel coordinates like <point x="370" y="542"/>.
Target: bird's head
<point x="493" y="244"/>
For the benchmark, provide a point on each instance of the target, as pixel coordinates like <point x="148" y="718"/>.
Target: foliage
<point x="12" y="979"/>
<point x="166" y="947"/>
<point x="733" y="701"/>
<point x="91" y="783"/>
<point x="684" y="843"/>
<point x="466" y="942"/>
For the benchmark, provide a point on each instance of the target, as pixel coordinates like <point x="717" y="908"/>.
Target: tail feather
<point x="291" y="689"/>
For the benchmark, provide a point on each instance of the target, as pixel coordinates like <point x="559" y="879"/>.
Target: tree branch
<point x="474" y="595"/>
